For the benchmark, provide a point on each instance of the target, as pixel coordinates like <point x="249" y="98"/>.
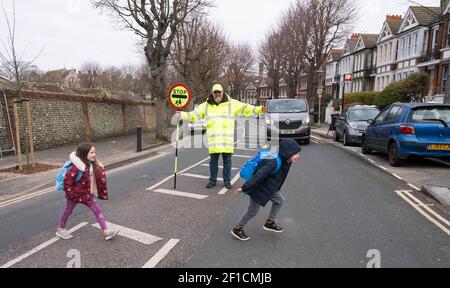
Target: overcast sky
<point x="72" y="32"/>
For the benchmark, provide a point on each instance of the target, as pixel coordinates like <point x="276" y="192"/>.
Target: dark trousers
<point x="214" y="167"/>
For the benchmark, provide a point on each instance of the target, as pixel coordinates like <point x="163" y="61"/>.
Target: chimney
<point x="261" y="70"/>
<point x="394" y="17"/>
<point x="354" y="37"/>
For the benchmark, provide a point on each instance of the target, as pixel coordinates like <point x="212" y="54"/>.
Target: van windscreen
<point x="287" y="106"/>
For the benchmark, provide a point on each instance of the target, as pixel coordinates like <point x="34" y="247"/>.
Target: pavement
<point x="429" y="175"/>
<point x="112" y="152"/>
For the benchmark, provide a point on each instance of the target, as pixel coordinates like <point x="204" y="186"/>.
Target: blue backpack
<point x="249" y="168"/>
<point x="62" y="173"/>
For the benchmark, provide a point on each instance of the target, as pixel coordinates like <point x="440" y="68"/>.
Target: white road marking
<point x="242" y="156"/>
<point x="161" y="254"/>
<point x="426" y="215"/>
<point x="179" y="193"/>
<point x="198" y="176"/>
<point x="235" y="179"/>
<point x="371" y="161"/>
<point x="40" y="247"/>
<point x="381" y="167"/>
<point x="414" y="187"/>
<point x="246" y="149"/>
<point x="171" y="176"/>
<point x="221" y="167"/>
<point x="135" y="235"/>
<point x="396" y="176"/>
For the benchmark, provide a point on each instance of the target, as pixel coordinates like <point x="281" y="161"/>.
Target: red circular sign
<point x="179" y="96"/>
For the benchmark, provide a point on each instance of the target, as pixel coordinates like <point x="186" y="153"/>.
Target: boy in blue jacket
<point x="265" y="187"/>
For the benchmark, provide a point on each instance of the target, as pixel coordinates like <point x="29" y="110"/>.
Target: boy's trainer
<point x="271" y="226"/>
<point x="239" y="234"/>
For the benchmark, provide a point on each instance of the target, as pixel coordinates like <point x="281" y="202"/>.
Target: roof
<point x="426" y="15"/>
<point x="370" y="40"/>
<point x="336" y="54"/>
<point x="394" y="24"/>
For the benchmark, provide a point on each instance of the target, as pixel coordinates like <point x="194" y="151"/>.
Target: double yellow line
<point x="423" y="209"/>
<point x="26" y="197"/>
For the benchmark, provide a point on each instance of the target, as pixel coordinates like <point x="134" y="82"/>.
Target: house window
<point x="448" y="34"/>
<point x="409" y="45"/>
<point x="444" y="79"/>
<point x="425" y="42"/>
<point x="415" y="43"/>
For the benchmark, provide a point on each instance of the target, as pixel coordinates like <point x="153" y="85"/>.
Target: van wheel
<point x="393" y="156"/>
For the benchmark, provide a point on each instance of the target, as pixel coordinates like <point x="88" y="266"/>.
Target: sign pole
<point x="179" y="98"/>
<point x="176" y="156"/>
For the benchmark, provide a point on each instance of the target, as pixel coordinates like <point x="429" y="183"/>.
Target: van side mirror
<point x="370" y="121"/>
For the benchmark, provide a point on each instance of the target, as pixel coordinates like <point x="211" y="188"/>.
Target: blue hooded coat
<point x="263" y="184"/>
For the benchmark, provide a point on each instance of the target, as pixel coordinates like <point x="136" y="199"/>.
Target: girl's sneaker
<point x="64" y="234"/>
<point x="109" y="234"/>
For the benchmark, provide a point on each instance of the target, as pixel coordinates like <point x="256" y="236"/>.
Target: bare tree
<point x="156" y="23"/>
<point x="270" y="54"/>
<point x="294" y="42"/>
<point x="11" y="60"/>
<point x="198" y="55"/>
<point x="330" y="22"/>
<point x="239" y="63"/>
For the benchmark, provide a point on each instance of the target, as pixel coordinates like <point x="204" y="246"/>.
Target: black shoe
<point x="271" y="226"/>
<point x="211" y="185"/>
<point x="228" y="186"/>
<point x="239" y="234"/>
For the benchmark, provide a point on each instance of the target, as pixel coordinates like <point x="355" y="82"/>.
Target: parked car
<point x="288" y="118"/>
<point x="352" y="123"/>
<point x="437" y="99"/>
<point x="402" y="130"/>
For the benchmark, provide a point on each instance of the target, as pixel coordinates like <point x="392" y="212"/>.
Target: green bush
<point x="411" y="89"/>
<point x="363" y="98"/>
<point x="391" y="94"/>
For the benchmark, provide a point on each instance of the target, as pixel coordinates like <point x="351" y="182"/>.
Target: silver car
<point x="353" y="122"/>
<point x="288" y="118"/>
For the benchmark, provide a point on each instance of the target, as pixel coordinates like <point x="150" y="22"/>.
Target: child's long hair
<point x="82" y="153"/>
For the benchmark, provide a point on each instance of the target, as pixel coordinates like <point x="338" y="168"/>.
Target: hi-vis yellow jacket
<point x="220" y="119"/>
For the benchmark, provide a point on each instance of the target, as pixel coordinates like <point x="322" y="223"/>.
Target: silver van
<point x="288" y="118"/>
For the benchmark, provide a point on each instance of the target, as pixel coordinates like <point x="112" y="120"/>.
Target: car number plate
<point x="440" y="147"/>
<point x="287" y="132"/>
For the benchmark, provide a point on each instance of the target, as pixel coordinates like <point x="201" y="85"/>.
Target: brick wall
<point x="61" y="119"/>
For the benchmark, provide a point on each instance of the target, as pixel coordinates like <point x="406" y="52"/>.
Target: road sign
<point x="179" y="96"/>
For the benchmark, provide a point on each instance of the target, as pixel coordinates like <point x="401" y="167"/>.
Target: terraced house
<point x="364" y="63"/>
<point x="386" y="57"/>
<point x="413" y="37"/>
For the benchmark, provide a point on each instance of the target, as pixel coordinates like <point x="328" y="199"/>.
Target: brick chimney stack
<point x="354" y="37"/>
<point x="394" y="17"/>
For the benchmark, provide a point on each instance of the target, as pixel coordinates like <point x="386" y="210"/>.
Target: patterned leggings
<point x="93" y="206"/>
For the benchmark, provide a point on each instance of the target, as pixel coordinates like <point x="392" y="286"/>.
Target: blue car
<point x="405" y="129"/>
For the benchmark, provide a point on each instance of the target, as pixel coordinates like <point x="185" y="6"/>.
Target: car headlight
<point x="353" y="125"/>
<point x="307" y="120"/>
